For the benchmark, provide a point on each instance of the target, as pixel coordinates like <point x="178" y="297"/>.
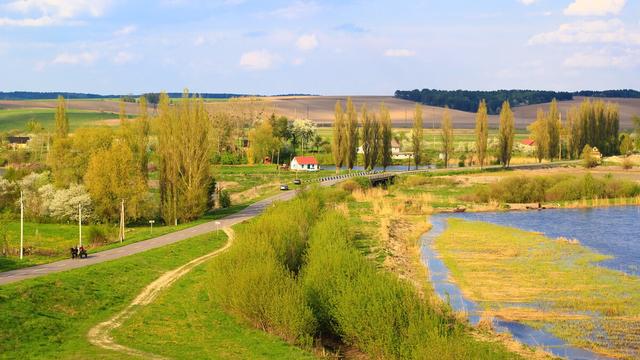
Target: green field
<point x="16" y="119"/>
<point x="51" y="242"/>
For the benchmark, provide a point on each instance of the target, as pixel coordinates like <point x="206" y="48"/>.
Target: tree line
<point x="371" y="130"/>
<point x="467" y="100"/>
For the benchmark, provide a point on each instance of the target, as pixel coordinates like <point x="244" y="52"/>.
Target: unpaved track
<point x="100" y="335"/>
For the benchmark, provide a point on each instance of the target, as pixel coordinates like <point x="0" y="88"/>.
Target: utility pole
<point x="21" y="226"/>
<point x="121" y="235"/>
<point x="80" y="224"/>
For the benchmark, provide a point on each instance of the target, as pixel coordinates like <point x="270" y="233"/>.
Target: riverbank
<point x="550" y="284"/>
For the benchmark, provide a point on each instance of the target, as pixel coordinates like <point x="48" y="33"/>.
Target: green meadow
<point x="17" y="119"/>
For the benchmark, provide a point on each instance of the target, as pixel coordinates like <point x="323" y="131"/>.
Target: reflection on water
<point x="450" y="292"/>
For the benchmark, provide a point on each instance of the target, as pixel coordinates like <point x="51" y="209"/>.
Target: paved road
<point x="248" y="213"/>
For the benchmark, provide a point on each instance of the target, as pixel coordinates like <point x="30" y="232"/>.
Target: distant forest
<point x="34" y="95"/>
<point x="467" y="100"/>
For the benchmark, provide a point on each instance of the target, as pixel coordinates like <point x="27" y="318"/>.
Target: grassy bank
<point x="185" y="322"/>
<point x="550" y="283"/>
<point x="49" y="317"/>
<point x="51" y="242"/>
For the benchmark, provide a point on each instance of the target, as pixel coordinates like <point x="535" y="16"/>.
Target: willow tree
<point x="505" y="134"/>
<point x="553" y="130"/>
<point x="540" y="134"/>
<point x="184" y="149"/>
<point x="61" y="119"/>
<point x="446" y="134"/>
<point x="482" y="132"/>
<point x="416" y="135"/>
<point x="338" y="146"/>
<point x="386" y="136"/>
<point x="351" y="134"/>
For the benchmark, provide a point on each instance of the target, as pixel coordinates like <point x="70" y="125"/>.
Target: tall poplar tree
<point x="61" y="118"/>
<point x="540" y="134"/>
<point x="553" y="129"/>
<point x="351" y="131"/>
<point x="446" y="135"/>
<point x="367" y="136"/>
<point x="387" y="136"/>
<point x="505" y="134"/>
<point x="416" y="135"/>
<point x="482" y="132"/>
<point x="338" y="146"/>
<point x="184" y="148"/>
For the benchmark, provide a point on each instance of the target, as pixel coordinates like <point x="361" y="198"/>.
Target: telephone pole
<point x="80" y="224"/>
<point x="121" y="235"/>
<point x="21" y="226"/>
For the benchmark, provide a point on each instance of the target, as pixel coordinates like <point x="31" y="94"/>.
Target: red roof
<point x="529" y="142"/>
<point x="306" y="160"/>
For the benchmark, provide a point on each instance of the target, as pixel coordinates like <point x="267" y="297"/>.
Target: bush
<point x="588" y="158"/>
<point x="224" y="199"/>
<point x="99" y="234"/>
<point x="627" y="164"/>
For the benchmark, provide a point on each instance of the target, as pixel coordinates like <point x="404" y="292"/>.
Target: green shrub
<point x="224" y="199"/>
<point x="99" y="234"/>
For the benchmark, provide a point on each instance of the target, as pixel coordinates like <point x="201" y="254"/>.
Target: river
<point x="612" y="231"/>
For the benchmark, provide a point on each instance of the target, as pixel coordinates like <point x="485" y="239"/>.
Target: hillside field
<point x="17" y="119"/>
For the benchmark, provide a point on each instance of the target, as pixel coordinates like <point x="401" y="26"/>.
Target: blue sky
<point x="321" y="47"/>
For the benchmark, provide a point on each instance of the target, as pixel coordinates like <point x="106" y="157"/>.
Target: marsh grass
<point x="527" y="277"/>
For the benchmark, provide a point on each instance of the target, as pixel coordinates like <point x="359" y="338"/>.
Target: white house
<point x="304" y="163"/>
<point x="395" y="148"/>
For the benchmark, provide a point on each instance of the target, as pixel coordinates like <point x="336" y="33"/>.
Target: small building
<point x="528" y="142"/>
<point x="395" y="148"/>
<point x="18" y="142"/>
<point x="304" y="163"/>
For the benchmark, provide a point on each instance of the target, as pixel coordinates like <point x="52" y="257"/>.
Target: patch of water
<point x="449" y="292"/>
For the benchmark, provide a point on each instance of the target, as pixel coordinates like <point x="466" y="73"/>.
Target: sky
<point x="333" y="47"/>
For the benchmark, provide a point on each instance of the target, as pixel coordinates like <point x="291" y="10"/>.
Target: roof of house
<point x="529" y="142"/>
<point x="18" y="139"/>
<point x="306" y="160"/>
<point x="394" y="143"/>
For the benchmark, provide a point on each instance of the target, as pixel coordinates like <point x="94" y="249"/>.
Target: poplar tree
<point x="505" y="134"/>
<point x="184" y="148"/>
<point x="416" y="135"/>
<point x="540" y="134"/>
<point x="387" y="136"/>
<point x="482" y="132"/>
<point x="553" y="129"/>
<point x="61" y="119"/>
<point x="446" y="136"/>
<point x="376" y="141"/>
<point x="351" y="130"/>
<point x="367" y="138"/>
<point x="338" y="146"/>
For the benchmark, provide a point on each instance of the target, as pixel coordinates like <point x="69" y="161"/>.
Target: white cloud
<point x="51" y="12"/>
<point x="123" y="57"/>
<point x="83" y="58"/>
<point x="527" y="2"/>
<point x="596" y="31"/>
<point x="126" y="30"/>
<point x="594" y="7"/>
<point x="604" y="59"/>
<point x="297" y="61"/>
<point x="399" y="53"/>
<point x="297" y="10"/>
<point x="307" y="42"/>
<point x="257" y="60"/>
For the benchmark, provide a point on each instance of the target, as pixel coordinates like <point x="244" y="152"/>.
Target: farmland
<point x="17" y="119"/>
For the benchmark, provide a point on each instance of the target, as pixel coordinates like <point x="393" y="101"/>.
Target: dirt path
<point x="100" y="335"/>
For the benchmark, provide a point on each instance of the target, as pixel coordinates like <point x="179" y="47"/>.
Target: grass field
<point x="544" y="282"/>
<point x="49" y="317"/>
<point x="51" y="242"/>
<point x="16" y="119"/>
